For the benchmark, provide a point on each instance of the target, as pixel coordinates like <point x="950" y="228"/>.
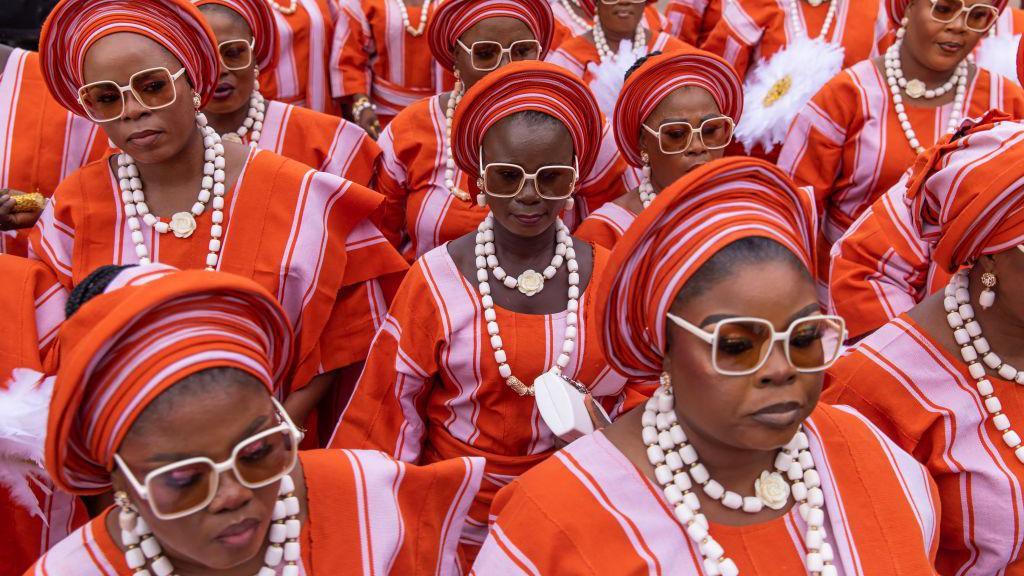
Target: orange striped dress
<point x="303" y="235"/>
<point x="431" y="388"/>
<point x="924" y="399"/>
<point x="366" y="515"/>
<point x="419" y="211"/>
<point x="589" y="510"/>
<point x="579" y="54"/>
<point x="302" y="73"/>
<point x="33" y="309"/>
<point x="691" y="20"/>
<point x="374" y="55"/>
<point x="41" y="143"/>
<point x="606" y="225"/>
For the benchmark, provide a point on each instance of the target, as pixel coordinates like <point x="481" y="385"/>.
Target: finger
<point x="24" y="219"/>
<point x="597" y="415"/>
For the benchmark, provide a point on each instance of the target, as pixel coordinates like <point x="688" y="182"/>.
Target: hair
<point x="743" y="252"/>
<point x="534" y="117"/>
<point x="93" y="285"/>
<point x="218" y="379"/>
<point x="640" y="62"/>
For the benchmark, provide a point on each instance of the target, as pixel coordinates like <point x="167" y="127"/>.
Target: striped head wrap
<point x="967" y="194"/>
<point x="522" y="86"/>
<point x="661" y="75"/>
<point x="590" y="6"/>
<point x="454" y="17"/>
<point x="75" y="25"/>
<point x="152" y="327"/>
<point x="898" y="8"/>
<point x="688" y="223"/>
<point x="260" y="17"/>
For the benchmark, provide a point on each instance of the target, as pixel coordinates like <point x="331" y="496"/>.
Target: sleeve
<point x="391" y="182"/>
<point x="52" y="240"/>
<point x="388" y="406"/>
<point x="351" y="48"/>
<point x="608" y="179"/>
<point x="597" y="231"/>
<point x="353" y="155"/>
<point x="738" y="32"/>
<point x="565" y="59"/>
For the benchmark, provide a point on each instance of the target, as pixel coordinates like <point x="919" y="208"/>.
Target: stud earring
<point x="988" y="296"/>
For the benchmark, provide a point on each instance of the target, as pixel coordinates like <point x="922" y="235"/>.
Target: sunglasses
<point x="503" y="180"/>
<point x="486" y="55"/>
<point x="614" y="2"/>
<point x="979" y="17"/>
<point x="676" y="137"/>
<point x="154" y="89"/>
<point x="188" y="486"/>
<point x="741" y="346"/>
<point x="236" y="54"/>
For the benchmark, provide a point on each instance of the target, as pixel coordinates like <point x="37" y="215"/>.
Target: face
<point x="761" y="411"/>
<point x="620" y="19"/>
<point x="234" y="86"/>
<point x="690" y="104"/>
<point x="532" y="145"/>
<point x="232" y="529"/>
<point x="149" y="136"/>
<point x="503" y="30"/>
<point x="939" y="46"/>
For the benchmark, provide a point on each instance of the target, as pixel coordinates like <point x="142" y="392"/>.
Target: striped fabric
<point x="691" y="20"/>
<point x="373" y="54"/>
<point x="302" y="73"/>
<point x="41" y="143"/>
<point x="367" y="515"/>
<point x="606" y="225"/>
<point x="589" y="510"/>
<point x="431" y="388"/>
<point x="260" y="17"/>
<point x="455" y="17"/>
<point x="921" y="396"/>
<point x="579" y="55"/>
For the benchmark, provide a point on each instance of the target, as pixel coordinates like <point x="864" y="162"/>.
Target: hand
<point x="10" y="220"/>
<point x="368" y="120"/>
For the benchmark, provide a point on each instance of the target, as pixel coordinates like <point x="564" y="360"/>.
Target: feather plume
<point x="610" y="75"/>
<point x="24" y="408"/>
<point x="998" y="54"/>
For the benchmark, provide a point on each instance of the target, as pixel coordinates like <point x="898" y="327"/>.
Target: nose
<point x="528" y="195"/>
<point x="133" y="109"/>
<point x="231" y="494"/>
<point x="777" y="370"/>
<point x="696" y="147"/>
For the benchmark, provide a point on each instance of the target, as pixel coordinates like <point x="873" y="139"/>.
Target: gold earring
<point x="666" y="381"/>
<point x="196" y="100"/>
<point x="645" y="158"/>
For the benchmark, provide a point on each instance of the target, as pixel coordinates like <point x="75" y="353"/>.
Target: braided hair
<point x="93" y="285"/>
<point x="640" y="62"/>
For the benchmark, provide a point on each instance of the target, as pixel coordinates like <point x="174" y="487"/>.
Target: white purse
<point x="560" y="402"/>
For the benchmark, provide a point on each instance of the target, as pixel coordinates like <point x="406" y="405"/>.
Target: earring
<point x="481" y="200"/>
<point x="666" y="382"/>
<point x="988" y="296"/>
<point x="570" y="203"/>
<point x="127" y="517"/>
<point x="196" y="100"/>
<point x="256" y="78"/>
<point x="902" y="30"/>
<point x="646" y="188"/>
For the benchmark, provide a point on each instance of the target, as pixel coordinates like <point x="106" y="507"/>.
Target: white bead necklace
<point x="182" y="224"/>
<point x="253" y="123"/>
<point x="485" y="252"/>
<point x="283" y="537"/>
<point x="893" y="74"/>
<point x="794" y="18"/>
<point x="292" y="7"/>
<point x="646" y="189"/>
<point x="677" y="468"/>
<point x="581" y="22"/>
<point x="606" y="53"/>
<point x="449" y="159"/>
<point x="968" y="335"/>
<point x="424" y="11"/>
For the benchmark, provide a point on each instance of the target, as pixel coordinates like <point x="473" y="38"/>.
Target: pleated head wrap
<point x="454" y="17"/>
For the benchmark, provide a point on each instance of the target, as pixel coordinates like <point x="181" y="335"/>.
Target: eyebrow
<point x="253" y="427"/>
<point x="805" y="311"/>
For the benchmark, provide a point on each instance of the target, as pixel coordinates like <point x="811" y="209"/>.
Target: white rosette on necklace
<point x="776" y="90"/>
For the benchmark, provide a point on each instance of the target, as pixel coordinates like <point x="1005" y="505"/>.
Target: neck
<point x="615" y="38"/>
<point x="1003" y="328"/>
<point x="912" y="68"/>
<point x="523" y="249"/>
<point x="228" y="121"/>
<point x="735" y="468"/>
<point x="179" y="171"/>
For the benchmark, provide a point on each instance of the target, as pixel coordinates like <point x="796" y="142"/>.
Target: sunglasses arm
<point x="697" y="331"/>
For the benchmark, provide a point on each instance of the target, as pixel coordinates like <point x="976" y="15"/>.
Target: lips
<point x="780" y="415"/>
<point x="223" y="90"/>
<point x="528" y="219"/>
<point x="144" y="137"/>
<point x="239" y="534"/>
<point x="950" y="47"/>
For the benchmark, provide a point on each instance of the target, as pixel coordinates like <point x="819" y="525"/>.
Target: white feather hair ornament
<point x="776" y="90"/>
<point x="24" y="409"/>
<point x="610" y="75"/>
<point x="998" y="54"/>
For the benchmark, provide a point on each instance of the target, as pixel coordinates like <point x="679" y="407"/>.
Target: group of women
<point x="286" y="281"/>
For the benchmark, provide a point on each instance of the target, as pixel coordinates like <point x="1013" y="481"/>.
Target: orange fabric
<point x="579" y="55"/>
<point x="289" y="228"/>
<point x="365" y="515"/>
<point x="302" y="74"/>
<point x="606" y="225"/>
<point x="431" y="388"/>
<point x="688" y="223"/>
<point x="691" y="20"/>
<point x="260" y="17"/>
<point x="589" y="511"/>
<point x="455" y="17"/>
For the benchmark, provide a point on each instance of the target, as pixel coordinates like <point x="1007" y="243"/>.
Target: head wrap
<point x="688" y="223"/>
<point x="75" y="25"/>
<point x="454" y="17"/>
<point x="590" y="6"/>
<point x="153" y="327"/>
<point x="898" y="8"/>
<point x="260" y="17"/>
<point x="658" y="77"/>
<point x="522" y="86"/>
<point x="967" y="193"/>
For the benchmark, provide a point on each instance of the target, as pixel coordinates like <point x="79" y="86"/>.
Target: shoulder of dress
<point x="79" y="554"/>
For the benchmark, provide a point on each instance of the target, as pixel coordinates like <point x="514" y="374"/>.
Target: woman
<point x="301" y="76"/>
<point x="301" y="234"/>
<point x="772" y="43"/>
<point x="859" y="134"/>
<point x="428" y="198"/>
<point x="227" y="492"/>
<point x="384" y="61"/>
<point x="940" y="380"/>
<point x="677" y="300"/>
<point x="576" y="17"/>
<point x="246" y="38"/>
<point x="35" y="516"/>
<point x="42" y="144"/>
<point x="474" y="323"/>
<point x="676" y="113"/>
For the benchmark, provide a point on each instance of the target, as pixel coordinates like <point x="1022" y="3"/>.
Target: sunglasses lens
<point x="102" y="101"/>
<point x="716" y="132"/>
<point x="154" y="88"/>
<point x="264" y="459"/>
<point x="814" y="343"/>
<point x="525" y="50"/>
<point x="675" y="137"/>
<point x="486" y="55"/>
<point x="555" y="182"/>
<point x="981" y="17"/>
<point x="180" y="489"/>
<point x="236" y="54"/>
<point x="946" y="10"/>
<point x="503" y="181"/>
<point x="741" y="345"/>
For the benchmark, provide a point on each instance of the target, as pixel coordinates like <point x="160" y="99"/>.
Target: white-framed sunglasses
<point x="675" y="137"/>
<point x="236" y="54"/>
<point x="153" y="88"/>
<point x="486" y="55"/>
<point x="978" y="17"/>
<point x="741" y="346"/>
<point x="188" y="486"/>
<point x="503" y="180"/>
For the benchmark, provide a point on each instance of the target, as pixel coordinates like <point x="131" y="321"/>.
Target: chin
<point x="225" y="106"/>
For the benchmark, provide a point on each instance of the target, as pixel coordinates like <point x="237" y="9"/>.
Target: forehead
<point x="690" y="103"/>
<point x="117" y="56"/>
<point x="226" y="23"/>
<point x="503" y="29"/>
<point x="530" y="142"/>
<point x="773" y="290"/>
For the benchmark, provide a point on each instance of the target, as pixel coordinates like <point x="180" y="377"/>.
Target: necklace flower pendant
<point x="530" y="282"/>
<point x="232" y="137"/>
<point x="772" y="489"/>
<point x="915" y="88"/>
<point x="183" y="224"/>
